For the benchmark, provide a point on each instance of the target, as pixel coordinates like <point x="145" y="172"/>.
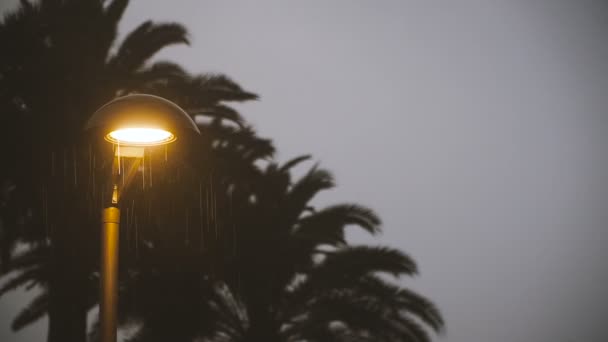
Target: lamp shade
<point x="141" y="120"/>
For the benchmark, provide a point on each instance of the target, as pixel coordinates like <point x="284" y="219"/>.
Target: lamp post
<point x="132" y="123"/>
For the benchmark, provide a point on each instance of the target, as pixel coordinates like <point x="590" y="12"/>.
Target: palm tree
<point x="342" y="299"/>
<point x="287" y="273"/>
<point x="297" y="274"/>
<point x="62" y="65"/>
<point x="180" y="245"/>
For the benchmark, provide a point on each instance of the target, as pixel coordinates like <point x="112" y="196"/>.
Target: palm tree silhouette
<point x="338" y="303"/>
<point x="220" y="248"/>
<point x="286" y="273"/>
<point x="299" y="277"/>
<point x="62" y="65"/>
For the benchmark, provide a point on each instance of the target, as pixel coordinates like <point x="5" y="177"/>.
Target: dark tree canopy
<point x="218" y="242"/>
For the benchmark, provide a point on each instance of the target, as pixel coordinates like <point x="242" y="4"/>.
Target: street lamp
<point x="132" y="123"/>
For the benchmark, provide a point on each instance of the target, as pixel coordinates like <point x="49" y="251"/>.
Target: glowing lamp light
<point x="141" y="120"/>
<point x="137" y="136"/>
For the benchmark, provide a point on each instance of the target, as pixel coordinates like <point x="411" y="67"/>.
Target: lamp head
<point x="141" y="120"/>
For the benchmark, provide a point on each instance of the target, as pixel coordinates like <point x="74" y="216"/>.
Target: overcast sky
<point x="477" y="129"/>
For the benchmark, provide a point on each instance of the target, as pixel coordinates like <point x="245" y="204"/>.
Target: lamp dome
<point x="141" y="120"/>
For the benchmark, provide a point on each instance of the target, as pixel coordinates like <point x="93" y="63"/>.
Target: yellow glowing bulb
<point x="140" y="136"/>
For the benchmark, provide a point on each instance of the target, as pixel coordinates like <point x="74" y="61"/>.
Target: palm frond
<point x="343" y="268"/>
<point x="231" y="313"/>
<point x="304" y="190"/>
<point x="361" y="313"/>
<point x="115" y="10"/>
<point x="144" y="42"/>
<point x="293" y="162"/>
<point x="242" y="140"/>
<point x="37" y="308"/>
<point x="220" y="87"/>
<point x="31" y="275"/>
<point x="357" y="261"/>
<point x="219" y="111"/>
<point x="327" y="225"/>
<point x="161" y="71"/>
<point x="408" y="330"/>
<point x="34" y="256"/>
<point x="202" y="91"/>
<point x="403" y="300"/>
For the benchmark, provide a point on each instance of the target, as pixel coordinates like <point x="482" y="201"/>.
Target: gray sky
<point x="477" y="129"/>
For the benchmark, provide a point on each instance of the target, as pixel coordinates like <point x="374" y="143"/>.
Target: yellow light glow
<point x="136" y="136"/>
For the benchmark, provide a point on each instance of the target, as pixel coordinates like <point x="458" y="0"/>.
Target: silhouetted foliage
<point x="217" y="241"/>
<point x="59" y="68"/>
<point x="297" y="279"/>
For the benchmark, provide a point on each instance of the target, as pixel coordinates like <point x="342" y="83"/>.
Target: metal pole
<point x="109" y="273"/>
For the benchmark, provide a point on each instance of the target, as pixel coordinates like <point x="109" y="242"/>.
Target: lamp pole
<point x="110" y="218"/>
<point x="132" y="122"/>
<point x="110" y="233"/>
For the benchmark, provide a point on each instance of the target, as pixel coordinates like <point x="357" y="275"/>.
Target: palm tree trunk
<point x="67" y="300"/>
<point x="68" y="279"/>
